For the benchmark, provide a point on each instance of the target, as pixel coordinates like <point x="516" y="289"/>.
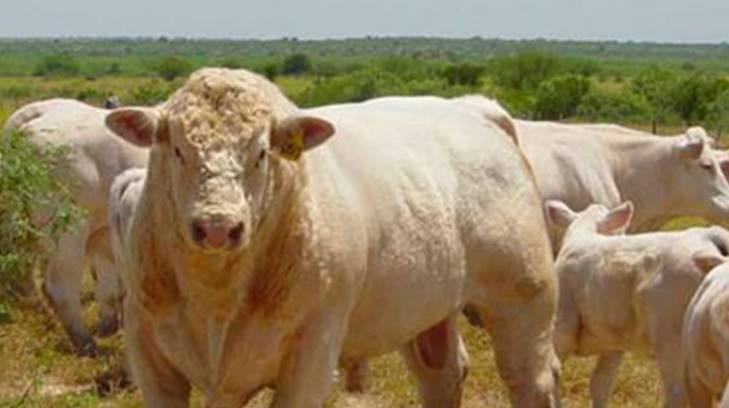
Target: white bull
<point x="251" y="249"/>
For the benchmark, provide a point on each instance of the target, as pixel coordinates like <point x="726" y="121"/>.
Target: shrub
<point x="57" y="65"/>
<point x="621" y="108"/>
<point x="172" y="67"/>
<point x="525" y="70"/>
<point x="355" y="87"/>
<point x="296" y="64"/>
<point x="463" y="74"/>
<point x="27" y="186"/>
<point x="719" y="113"/>
<point x="150" y="93"/>
<point x="690" y="97"/>
<point x="559" y="97"/>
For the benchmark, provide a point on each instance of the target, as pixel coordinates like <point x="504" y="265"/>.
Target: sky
<point x="622" y="20"/>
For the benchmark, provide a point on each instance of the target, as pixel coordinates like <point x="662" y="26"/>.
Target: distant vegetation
<point x="657" y="86"/>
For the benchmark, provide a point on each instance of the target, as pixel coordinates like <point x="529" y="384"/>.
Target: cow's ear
<point x="690" y="145"/>
<point x="707" y="260"/>
<point x="617" y="220"/>
<point x="140" y="126"/>
<point x="297" y="134"/>
<point x="558" y="213"/>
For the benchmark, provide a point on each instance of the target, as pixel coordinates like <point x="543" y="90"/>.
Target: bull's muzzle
<point x="217" y="234"/>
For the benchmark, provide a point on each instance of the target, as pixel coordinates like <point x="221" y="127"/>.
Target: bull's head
<point x="211" y="147"/>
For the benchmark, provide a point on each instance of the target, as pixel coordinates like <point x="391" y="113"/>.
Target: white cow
<point x="626" y="292"/>
<point x="706" y="335"/>
<point x="664" y="177"/>
<point x="96" y="156"/>
<point x="250" y="249"/>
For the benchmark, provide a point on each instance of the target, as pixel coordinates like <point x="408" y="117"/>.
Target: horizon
<point x="363" y="37"/>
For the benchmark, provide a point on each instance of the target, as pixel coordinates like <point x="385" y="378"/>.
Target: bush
<point x="57" y="65"/>
<point x="355" y="87"/>
<point x="172" y="67"/>
<point x="559" y="97"/>
<point x="691" y="97"/>
<point x="27" y="185"/>
<point x="526" y="70"/>
<point x="151" y="93"/>
<point x="464" y="74"/>
<point x="296" y="64"/>
<point x="621" y="108"/>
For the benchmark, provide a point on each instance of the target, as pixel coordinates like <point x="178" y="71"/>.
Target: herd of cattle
<point x="251" y="244"/>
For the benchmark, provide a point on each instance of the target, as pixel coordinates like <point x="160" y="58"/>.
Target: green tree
<point x="525" y="70"/>
<point x="653" y="85"/>
<point x="172" y="67"/>
<point x="296" y="64"/>
<point x="719" y="112"/>
<point x="57" y="65"/>
<point x="463" y="74"/>
<point x="691" y="96"/>
<point x="623" y="107"/>
<point x="559" y="97"/>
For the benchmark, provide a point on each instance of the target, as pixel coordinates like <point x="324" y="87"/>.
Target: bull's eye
<point x="178" y="155"/>
<point x="707" y="165"/>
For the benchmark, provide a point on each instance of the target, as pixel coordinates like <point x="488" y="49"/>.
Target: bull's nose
<point x="217" y="234"/>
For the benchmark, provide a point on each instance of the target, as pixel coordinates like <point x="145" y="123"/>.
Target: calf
<point x="623" y="293"/>
<point x="706" y="334"/>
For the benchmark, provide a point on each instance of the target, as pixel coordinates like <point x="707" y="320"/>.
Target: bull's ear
<point x="707" y="260"/>
<point x="617" y="220"/>
<point x="558" y="213"/>
<point x="691" y="144"/>
<point x="139" y="126"/>
<point x="297" y="134"/>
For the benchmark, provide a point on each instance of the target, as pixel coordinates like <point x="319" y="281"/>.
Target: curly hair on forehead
<point x="219" y="105"/>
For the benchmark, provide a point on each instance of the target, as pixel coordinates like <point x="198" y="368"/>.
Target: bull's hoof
<point x="107" y="326"/>
<point x="474" y="318"/>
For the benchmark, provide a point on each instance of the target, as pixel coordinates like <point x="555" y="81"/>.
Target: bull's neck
<point x="641" y="167"/>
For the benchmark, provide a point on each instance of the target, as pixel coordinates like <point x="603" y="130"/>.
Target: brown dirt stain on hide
<point x="158" y="283"/>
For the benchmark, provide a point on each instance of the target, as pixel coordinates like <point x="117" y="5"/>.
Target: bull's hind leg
<point x="438" y="358"/>
<point x="62" y="287"/>
<point x="515" y="291"/>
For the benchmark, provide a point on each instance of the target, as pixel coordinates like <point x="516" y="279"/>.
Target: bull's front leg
<point x="160" y="383"/>
<point x="306" y="376"/>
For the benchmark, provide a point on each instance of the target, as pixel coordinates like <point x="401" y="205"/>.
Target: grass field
<point x="37" y="369"/>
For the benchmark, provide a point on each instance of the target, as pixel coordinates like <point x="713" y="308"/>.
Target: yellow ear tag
<point x="294" y="146"/>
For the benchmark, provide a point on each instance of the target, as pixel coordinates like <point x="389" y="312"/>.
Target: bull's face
<point x="216" y="167"/>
